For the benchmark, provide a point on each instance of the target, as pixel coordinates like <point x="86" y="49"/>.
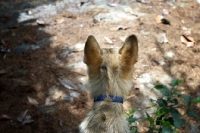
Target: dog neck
<point x="109" y="98"/>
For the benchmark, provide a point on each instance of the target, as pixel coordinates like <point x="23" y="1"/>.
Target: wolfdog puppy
<point x="110" y="72"/>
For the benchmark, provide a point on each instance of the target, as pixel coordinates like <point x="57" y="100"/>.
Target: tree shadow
<point x="182" y="73"/>
<point x="30" y="70"/>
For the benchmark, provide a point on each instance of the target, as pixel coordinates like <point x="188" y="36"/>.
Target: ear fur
<point x="92" y="51"/>
<point x="129" y="52"/>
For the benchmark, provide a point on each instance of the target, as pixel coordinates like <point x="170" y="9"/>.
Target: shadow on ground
<point x="32" y="65"/>
<point x="40" y="57"/>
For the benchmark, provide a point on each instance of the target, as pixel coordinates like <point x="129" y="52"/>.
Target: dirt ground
<point x="30" y="79"/>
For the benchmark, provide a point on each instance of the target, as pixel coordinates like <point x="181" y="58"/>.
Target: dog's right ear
<point x="92" y="51"/>
<point x="129" y="53"/>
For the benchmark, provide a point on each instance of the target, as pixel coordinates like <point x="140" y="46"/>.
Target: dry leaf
<point x="190" y="44"/>
<point x="24" y="118"/>
<point x="123" y="28"/>
<point x="3" y="71"/>
<point x="20" y="82"/>
<point x="67" y="83"/>
<point x="165" y="21"/>
<point x="113" y="4"/>
<point x="159" y="19"/>
<point x="143" y="126"/>
<point x="5" y="117"/>
<point x="60" y="122"/>
<point x="32" y="101"/>
<point x="120" y="27"/>
<point x="143" y="129"/>
<point x="49" y="102"/>
<point x="59" y="20"/>
<point x="189" y="41"/>
<point x="114" y="28"/>
<point x="4" y="42"/>
<point x="144" y="1"/>
<point x="28" y="120"/>
<point x="183" y="39"/>
<point x="21" y="117"/>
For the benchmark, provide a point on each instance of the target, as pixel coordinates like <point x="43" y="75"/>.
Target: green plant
<point x="167" y="118"/>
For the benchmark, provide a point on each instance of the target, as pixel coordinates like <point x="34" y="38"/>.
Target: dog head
<point x="109" y="70"/>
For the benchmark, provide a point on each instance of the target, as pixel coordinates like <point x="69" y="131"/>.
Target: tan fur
<point x="109" y="72"/>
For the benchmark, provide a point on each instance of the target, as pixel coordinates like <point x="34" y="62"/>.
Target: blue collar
<point x="116" y="99"/>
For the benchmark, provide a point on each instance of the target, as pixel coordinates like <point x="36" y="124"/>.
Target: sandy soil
<point x="29" y="80"/>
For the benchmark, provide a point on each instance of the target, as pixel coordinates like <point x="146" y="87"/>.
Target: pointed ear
<point x="92" y="51"/>
<point x="129" y="52"/>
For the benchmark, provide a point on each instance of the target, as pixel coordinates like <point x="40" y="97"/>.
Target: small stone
<point x="59" y="20"/>
<point x="77" y="47"/>
<point x="123" y="38"/>
<point x="74" y="94"/>
<point x="3" y="71"/>
<point x="77" y="65"/>
<point x="161" y="38"/>
<point x="40" y="22"/>
<point x="165" y="12"/>
<point x="29" y="12"/>
<point x="169" y="54"/>
<point x="144" y="32"/>
<point x="165" y="38"/>
<point x="161" y="62"/>
<point x="108" y="40"/>
<point x="20" y="82"/>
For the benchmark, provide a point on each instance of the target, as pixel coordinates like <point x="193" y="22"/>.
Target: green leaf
<point x="174" y="112"/>
<point x="162" y="111"/>
<point x="187" y="99"/>
<point x="153" y="128"/>
<point x="178" y="122"/>
<point x="132" y="111"/>
<point x="152" y="100"/>
<point x="166" y="123"/>
<point x="159" y="86"/>
<point x="142" y="118"/>
<point x="134" y="129"/>
<point x="148" y="116"/>
<point x="175" y="101"/>
<point x="197" y="100"/>
<point x="158" y="120"/>
<point x="176" y="82"/>
<point x="170" y="120"/>
<point x="161" y="102"/>
<point x="151" y="120"/>
<point x="167" y="130"/>
<point x="192" y="113"/>
<point x="131" y="120"/>
<point x="165" y="91"/>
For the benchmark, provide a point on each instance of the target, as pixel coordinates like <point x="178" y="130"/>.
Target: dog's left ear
<point x="129" y="52"/>
<point x="92" y="52"/>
